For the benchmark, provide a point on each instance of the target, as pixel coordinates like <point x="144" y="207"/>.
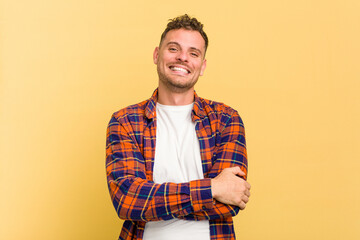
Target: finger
<point x="241" y="174"/>
<point x="248" y="186"/>
<point x="236" y="170"/>
<point x="245" y="199"/>
<point x="247" y="193"/>
<point x="242" y="205"/>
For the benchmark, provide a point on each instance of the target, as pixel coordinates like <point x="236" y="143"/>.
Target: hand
<point x="229" y="188"/>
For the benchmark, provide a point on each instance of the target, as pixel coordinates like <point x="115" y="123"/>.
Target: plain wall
<point x="291" y="69"/>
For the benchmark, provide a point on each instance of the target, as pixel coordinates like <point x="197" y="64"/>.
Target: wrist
<point x="213" y="188"/>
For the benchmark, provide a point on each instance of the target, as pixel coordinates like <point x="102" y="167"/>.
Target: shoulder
<point x="218" y="110"/>
<point x="135" y="111"/>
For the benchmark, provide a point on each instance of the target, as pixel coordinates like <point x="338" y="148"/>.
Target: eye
<point x="194" y="54"/>
<point x="172" y="49"/>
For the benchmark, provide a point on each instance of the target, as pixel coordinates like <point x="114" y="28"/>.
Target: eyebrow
<point x="193" y="48"/>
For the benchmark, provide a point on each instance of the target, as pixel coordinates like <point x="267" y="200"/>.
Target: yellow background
<point x="291" y="69"/>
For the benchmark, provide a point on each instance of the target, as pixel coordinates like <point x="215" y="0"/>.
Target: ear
<point x="203" y="66"/>
<point x="156" y="55"/>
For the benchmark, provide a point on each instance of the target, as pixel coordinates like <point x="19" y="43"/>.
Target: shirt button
<point x="203" y="207"/>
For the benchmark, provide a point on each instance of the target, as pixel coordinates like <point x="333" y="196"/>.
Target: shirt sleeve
<point x="138" y="199"/>
<point x="230" y="153"/>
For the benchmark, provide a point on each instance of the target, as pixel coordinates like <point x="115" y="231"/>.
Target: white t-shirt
<point x="177" y="160"/>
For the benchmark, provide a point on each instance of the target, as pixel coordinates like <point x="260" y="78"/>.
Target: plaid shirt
<point x="130" y="153"/>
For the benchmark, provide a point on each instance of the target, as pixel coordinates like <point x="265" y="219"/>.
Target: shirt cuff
<point x="200" y="194"/>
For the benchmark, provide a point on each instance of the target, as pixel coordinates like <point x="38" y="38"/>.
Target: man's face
<point x="180" y="59"/>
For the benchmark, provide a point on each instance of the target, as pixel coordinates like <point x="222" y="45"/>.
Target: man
<point x="176" y="163"/>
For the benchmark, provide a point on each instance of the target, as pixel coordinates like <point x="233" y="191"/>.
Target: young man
<point x="176" y="163"/>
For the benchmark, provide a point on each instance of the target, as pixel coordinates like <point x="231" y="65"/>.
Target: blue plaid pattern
<point x="130" y="153"/>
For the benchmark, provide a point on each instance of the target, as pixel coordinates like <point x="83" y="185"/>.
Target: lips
<point x="179" y="68"/>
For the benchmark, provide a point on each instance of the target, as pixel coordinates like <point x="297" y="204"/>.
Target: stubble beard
<point x="175" y="86"/>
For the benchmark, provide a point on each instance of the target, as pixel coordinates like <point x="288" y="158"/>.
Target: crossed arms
<point x="221" y="195"/>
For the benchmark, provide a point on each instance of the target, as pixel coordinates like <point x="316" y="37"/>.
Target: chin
<point x="181" y="87"/>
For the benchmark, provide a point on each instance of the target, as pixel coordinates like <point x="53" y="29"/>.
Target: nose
<point x="181" y="56"/>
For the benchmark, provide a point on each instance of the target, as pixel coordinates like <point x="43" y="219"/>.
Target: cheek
<point x="199" y="67"/>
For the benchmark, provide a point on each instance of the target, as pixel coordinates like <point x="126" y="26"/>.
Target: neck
<point x="166" y="97"/>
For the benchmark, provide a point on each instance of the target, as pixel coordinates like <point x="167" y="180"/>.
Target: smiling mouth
<point x="179" y="69"/>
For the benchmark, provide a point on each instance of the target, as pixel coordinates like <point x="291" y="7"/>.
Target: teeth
<point x="179" y="69"/>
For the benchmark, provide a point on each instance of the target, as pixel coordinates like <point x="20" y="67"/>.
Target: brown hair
<point x="188" y="23"/>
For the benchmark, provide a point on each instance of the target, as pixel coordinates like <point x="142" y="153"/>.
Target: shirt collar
<point x="150" y="110"/>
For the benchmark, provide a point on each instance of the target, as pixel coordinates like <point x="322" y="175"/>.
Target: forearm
<point x="140" y="200"/>
<point x="218" y="211"/>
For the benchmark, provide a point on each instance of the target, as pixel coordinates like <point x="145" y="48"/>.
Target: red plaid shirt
<point x="130" y="153"/>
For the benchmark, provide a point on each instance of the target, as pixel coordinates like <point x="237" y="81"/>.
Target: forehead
<point x="185" y="38"/>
